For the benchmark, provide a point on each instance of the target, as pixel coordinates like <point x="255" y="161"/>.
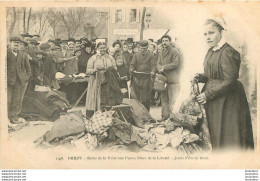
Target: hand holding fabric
<point x="201" y="98"/>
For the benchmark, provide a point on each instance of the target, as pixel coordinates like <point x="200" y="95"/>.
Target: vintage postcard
<point x="129" y="85"/>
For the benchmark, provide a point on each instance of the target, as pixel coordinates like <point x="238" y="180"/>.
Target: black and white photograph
<point x="142" y="85"/>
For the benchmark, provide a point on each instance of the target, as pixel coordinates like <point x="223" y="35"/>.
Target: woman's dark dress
<point x="122" y="72"/>
<point x="227" y="107"/>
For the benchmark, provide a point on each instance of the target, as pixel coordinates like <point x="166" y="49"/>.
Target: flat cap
<point x="33" y="41"/>
<point x="26" y="35"/>
<point x="143" y="43"/>
<point x="15" y="38"/>
<point x="64" y="41"/>
<point x="44" y="46"/>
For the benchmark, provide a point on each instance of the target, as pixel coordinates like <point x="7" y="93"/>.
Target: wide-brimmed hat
<point x="143" y="44"/>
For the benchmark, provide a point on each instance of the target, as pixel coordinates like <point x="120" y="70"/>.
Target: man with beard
<point x="169" y="63"/>
<point x="16" y="78"/>
<point x="143" y="66"/>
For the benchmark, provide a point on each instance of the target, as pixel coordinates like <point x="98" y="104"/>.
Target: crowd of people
<point x="111" y="69"/>
<point x="39" y="63"/>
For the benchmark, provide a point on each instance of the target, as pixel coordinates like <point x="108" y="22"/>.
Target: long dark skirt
<point x="229" y="120"/>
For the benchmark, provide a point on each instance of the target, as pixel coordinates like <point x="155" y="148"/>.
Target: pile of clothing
<point x="109" y="131"/>
<point x="44" y="105"/>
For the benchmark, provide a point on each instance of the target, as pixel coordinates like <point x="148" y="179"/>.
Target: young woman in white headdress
<point x="224" y="96"/>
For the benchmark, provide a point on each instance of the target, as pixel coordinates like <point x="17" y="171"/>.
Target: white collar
<point x="15" y="53"/>
<point x="220" y="44"/>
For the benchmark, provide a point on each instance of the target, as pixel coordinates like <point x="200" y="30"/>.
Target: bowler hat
<point x="129" y="40"/>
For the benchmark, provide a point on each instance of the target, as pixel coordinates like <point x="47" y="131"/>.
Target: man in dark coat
<point x="49" y="66"/>
<point x="143" y="65"/>
<point x="169" y="62"/>
<point x="16" y="78"/>
<point x="27" y="70"/>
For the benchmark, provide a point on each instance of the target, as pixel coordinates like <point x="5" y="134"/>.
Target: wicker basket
<point x="160" y="83"/>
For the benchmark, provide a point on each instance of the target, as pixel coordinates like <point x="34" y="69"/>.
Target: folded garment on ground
<point x="69" y="124"/>
<point x="140" y="114"/>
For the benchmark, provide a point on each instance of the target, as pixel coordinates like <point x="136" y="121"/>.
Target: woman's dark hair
<point x="166" y="36"/>
<point x="101" y="43"/>
<point x="115" y="43"/>
<point x="214" y="23"/>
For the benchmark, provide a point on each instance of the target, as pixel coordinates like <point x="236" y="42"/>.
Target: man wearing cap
<point x="38" y="69"/>
<point x="32" y="47"/>
<point x="66" y="61"/>
<point x="16" y="78"/>
<point x="48" y="64"/>
<point x="27" y="71"/>
<point x="54" y="51"/>
<point x="130" y="44"/>
<point x="26" y="36"/>
<point x="169" y="62"/>
<point x="143" y="66"/>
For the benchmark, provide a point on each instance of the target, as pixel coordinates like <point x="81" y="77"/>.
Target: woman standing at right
<point x="223" y="95"/>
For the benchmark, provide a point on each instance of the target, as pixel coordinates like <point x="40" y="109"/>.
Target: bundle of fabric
<point x="36" y="105"/>
<point x="114" y="94"/>
<point x="67" y="125"/>
<point x="44" y="105"/>
<point x="141" y="116"/>
<point x="129" y="133"/>
<point x="192" y="116"/>
<point x="59" y="99"/>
